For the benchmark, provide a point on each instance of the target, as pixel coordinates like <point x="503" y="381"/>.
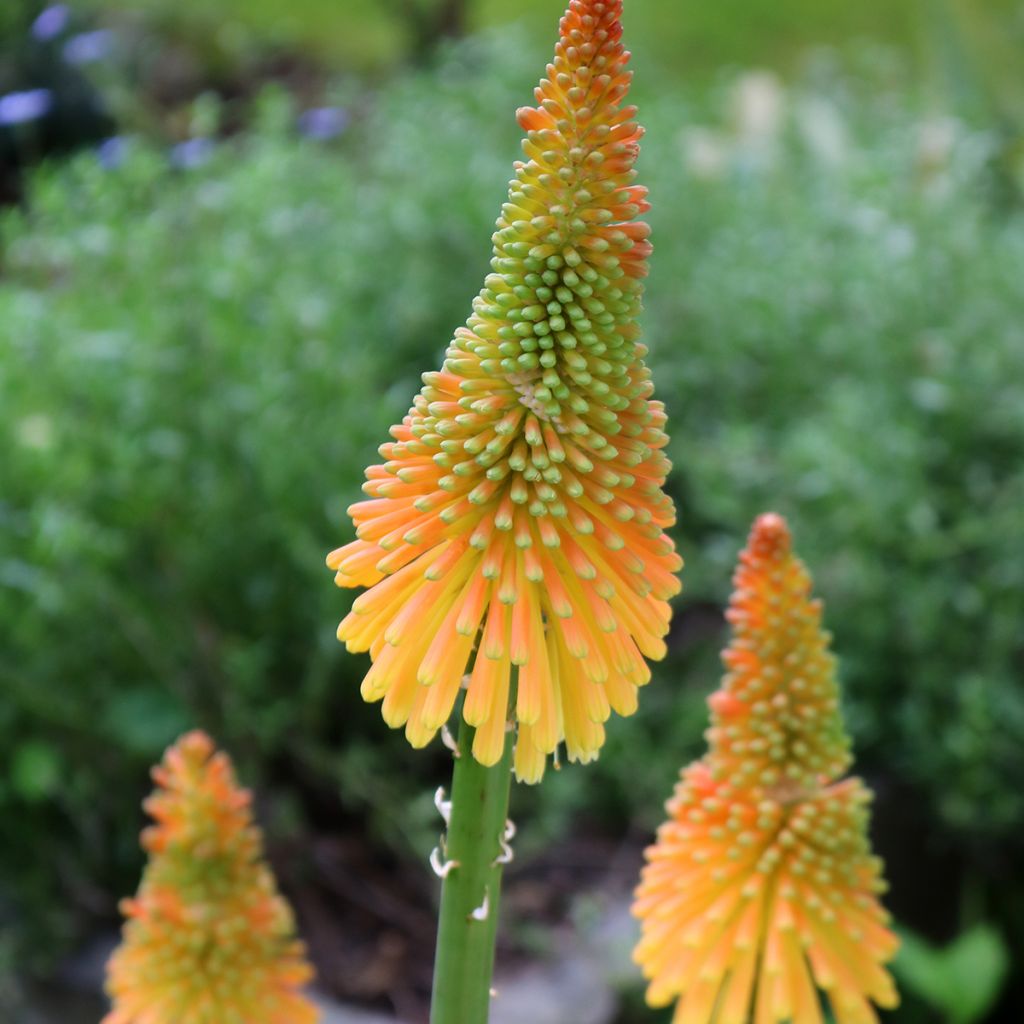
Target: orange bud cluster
<point x="518" y="518"/>
<point x="208" y="939"/>
<point x="761" y="886"/>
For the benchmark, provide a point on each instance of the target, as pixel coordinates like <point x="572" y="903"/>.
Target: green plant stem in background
<point x="471" y="891"/>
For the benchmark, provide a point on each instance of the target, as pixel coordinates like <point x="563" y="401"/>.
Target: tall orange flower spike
<point x="761" y="886"/>
<point x="208" y="939"/>
<point x="518" y="518"/>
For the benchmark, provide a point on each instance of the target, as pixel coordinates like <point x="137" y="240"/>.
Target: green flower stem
<point x="471" y="891"/>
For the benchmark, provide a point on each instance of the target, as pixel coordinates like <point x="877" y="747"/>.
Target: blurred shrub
<point x="198" y="360"/>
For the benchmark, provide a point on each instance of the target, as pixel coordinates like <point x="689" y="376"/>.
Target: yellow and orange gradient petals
<point x="517" y="522"/>
<point x="748" y="903"/>
<point x="207" y="938"/>
<point x="761" y="888"/>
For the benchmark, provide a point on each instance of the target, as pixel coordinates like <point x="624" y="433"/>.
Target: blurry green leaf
<point x="962" y="979"/>
<point x="207" y="111"/>
<point x="35" y="770"/>
<point x="145" y="721"/>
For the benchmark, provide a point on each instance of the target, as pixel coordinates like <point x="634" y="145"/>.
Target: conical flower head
<point x="518" y="518"/>
<point x="761" y="887"/>
<point x="208" y="939"/>
<point x="775" y="721"/>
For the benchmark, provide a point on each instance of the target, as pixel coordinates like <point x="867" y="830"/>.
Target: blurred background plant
<point x="212" y="312"/>
<point x="960" y="981"/>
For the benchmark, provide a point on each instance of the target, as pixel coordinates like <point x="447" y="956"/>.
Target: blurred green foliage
<point x="684" y="38"/>
<point x="962" y="980"/>
<point x="196" y="365"/>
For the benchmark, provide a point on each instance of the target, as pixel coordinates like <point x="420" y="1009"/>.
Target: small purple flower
<point x="193" y="153"/>
<point x="89" y="47"/>
<point x="30" y="105"/>
<point x="51" y="22"/>
<point x="323" y="122"/>
<point x="111" y="152"/>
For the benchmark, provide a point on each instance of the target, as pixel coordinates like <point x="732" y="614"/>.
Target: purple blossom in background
<point x="30" y="105"/>
<point x="193" y="153"/>
<point x="323" y="122"/>
<point x="89" y="47"/>
<point x="112" y="151"/>
<point x="51" y="22"/>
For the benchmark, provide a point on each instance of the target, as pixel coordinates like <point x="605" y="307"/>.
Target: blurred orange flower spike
<point x="207" y="939"/>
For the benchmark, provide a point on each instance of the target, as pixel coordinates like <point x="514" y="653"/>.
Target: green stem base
<point x="471" y="892"/>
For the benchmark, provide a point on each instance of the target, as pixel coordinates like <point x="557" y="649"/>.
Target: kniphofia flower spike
<point x="761" y="886"/>
<point x="208" y="939"/>
<point x="518" y="517"/>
